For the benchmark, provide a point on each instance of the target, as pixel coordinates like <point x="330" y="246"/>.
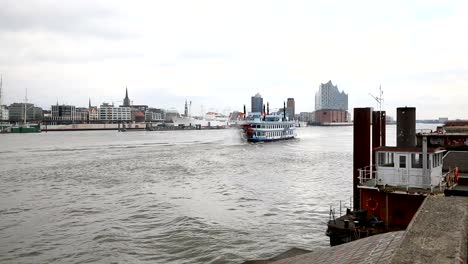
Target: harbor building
<point x="110" y="114"/>
<point x="82" y="115"/>
<point x="3" y="108"/>
<point x="257" y="104"/>
<point x="4" y="116"/>
<point x="307" y="117"/>
<point x="331" y="105"/>
<point x="93" y="113"/>
<point x="17" y="112"/>
<point x="155" y="115"/>
<point x="290" y="108"/>
<point x="63" y="114"/>
<point x="138" y="113"/>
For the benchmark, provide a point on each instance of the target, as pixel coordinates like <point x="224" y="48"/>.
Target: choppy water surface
<point x="168" y="197"/>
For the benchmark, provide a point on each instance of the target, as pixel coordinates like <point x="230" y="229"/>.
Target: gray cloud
<point x="61" y="17"/>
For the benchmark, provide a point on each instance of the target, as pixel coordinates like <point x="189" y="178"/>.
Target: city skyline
<point x="218" y="53"/>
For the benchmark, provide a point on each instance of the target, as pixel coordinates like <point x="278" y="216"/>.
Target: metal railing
<point x="367" y="174"/>
<point x="343" y="207"/>
<point x="424" y="131"/>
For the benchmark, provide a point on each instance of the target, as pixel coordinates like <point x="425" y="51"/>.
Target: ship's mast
<point x="25" y="106"/>
<point x="190" y="109"/>
<point x="379" y="100"/>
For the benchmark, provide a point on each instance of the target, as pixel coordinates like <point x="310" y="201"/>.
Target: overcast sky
<point x="220" y="53"/>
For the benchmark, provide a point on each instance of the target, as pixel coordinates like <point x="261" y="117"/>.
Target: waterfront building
<point x="328" y="97"/>
<point x="155" y="115"/>
<point x="93" y="113"/>
<point x="290" y="108"/>
<point x="17" y="112"/>
<point x="82" y="115"/>
<point x="3" y="109"/>
<point x="111" y="114"/>
<point x="126" y="101"/>
<point x="4" y="116"/>
<point x="257" y="104"/>
<point x="307" y="117"/>
<point x="63" y="114"/>
<point x="139" y="113"/>
<point x="331" y="105"/>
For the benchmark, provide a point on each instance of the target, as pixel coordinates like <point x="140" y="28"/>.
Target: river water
<point x="168" y="197"/>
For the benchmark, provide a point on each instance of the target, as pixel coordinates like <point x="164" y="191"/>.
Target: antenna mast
<point x="380" y="98"/>
<point x="25" y="106"/>
<point x="379" y="102"/>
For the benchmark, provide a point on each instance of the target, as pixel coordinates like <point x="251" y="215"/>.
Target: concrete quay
<point x="438" y="233"/>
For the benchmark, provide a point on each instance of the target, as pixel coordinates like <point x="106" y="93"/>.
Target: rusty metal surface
<point x="361" y="146"/>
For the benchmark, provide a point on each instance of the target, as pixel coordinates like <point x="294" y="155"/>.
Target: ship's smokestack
<point x="245" y="112"/>
<point x="264" y="112"/>
<point x="361" y="147"/>
<point x="378" y="131"/>
<point x="284" y="111"/>
<point x="406" y="127"/>
<point x="268" y="108"/>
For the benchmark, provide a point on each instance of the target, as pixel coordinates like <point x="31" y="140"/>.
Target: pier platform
<point x="438" y="233"/>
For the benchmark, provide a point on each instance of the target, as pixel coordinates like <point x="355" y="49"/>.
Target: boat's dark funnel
<point x="378" y="131"/>
<point x="245" y="112"/>
<point x="361" y="147"/>
<point x="406" y="127"/>
<point x="284" y="110"/>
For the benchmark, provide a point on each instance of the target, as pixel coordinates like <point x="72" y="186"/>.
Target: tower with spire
<point x="126" y="101"/>
<point x="186" y="109"/>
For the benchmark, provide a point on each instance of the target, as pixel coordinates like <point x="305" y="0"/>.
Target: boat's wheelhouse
<point x="405" y="167"/>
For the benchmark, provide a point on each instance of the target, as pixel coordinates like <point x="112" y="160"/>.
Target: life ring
<point x="457" y="174"/>
<point x="372" y="204"/>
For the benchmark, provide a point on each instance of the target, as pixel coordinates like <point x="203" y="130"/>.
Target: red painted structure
<point x="331" y="116"/>
<point x="361" y="147"/>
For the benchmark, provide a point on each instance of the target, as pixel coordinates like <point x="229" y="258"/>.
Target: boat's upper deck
<point x="405" y="169"/>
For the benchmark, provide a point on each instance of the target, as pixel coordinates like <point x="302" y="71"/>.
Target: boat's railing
<point x="424" y="131"/>
<point x="344" y="207"/>
<point x="368" y="176"/>
<point x="449" y="179"/>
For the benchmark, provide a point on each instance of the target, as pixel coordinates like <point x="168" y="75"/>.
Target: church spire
<point x="126" y="101"/>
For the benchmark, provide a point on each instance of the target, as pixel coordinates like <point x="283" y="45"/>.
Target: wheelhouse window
<point x="385" y="159"/>
<point x="416" y="160"/>
<point x="402" y="161"/>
